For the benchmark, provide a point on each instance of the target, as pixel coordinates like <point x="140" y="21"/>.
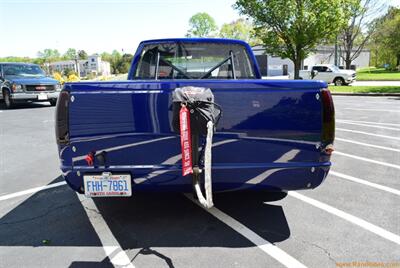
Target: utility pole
<point x="77" y="66"/>
<point x="336" y="52"/>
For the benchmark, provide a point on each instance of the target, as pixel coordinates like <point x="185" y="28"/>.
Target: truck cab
<point x="26" y="82"/>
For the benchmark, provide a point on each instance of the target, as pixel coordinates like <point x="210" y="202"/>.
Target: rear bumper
<point x="272" y="178"/>
<point x="34" y="96"/>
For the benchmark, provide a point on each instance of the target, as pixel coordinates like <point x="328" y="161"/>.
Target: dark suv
<point x="25" y="82"/>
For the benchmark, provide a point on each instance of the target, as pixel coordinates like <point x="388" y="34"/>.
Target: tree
<point x="201" y="25"/>
<point x="240" y="29"/>
<point x="70" y="54"/>
<point x="115" y="62"/>
<point x="359" y="28"/>
<point x="293" y="28"/>
<point x="125" y="63"/>
<point x="49" y="55"/>
<point x="82" y="55"/>
<point x="106" y="56"/>
<point x="385" y="41"/>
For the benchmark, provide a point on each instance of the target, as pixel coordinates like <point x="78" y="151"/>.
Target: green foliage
<point x="70" y="54"/>
<point x="240" y="29"/>
<point x="293" y="28"/>
<point x="67" y="72"/>
<point x="17" y="59"/>
<point x="82" y="55"/>
<point x="385" y="41"/>
<point x="358" y="29"/>
<point x="365" y="89"/>
<point x="201" y="25"/>
<point x="119" y="64"/>
<point x="49" y="55"/>
<point x="377" y="74"/>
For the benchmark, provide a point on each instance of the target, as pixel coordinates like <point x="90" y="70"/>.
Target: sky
<point x="29" y="26"/>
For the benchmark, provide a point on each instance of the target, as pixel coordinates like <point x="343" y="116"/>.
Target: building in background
<point x="277" y="66"/>
<point x="93" y="65"/>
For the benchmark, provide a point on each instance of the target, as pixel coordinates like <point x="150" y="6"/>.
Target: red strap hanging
<point x="186" y="143"/>
<point x="90" y="159"/>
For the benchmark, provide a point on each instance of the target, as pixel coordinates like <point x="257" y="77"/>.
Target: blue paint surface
<point x="269" y="136"/>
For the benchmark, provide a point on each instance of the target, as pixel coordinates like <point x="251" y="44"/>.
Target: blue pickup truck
<point x="123" y="136"/>
<point x="26" y="82"/>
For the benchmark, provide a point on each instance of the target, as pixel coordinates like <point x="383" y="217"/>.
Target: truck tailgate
<point x="265" y="125"/>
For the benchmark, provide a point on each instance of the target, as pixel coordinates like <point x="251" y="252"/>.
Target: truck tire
<point x="53" y="102"/>
<point x="339" y="81"/>
<point x="7" y="99"/>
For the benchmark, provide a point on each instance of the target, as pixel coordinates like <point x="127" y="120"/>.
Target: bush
<point x="91" y="76"/>
<point x="58" y="77"/>
<point x="72" y="78"/>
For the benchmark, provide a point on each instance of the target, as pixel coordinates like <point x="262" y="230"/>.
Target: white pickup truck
<point x="330" y="74"/>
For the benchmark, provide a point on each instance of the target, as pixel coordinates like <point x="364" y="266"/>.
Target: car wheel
<point x="7" y="99"/>
<point x="53" y="102"/>
<point x="339" y="81"/>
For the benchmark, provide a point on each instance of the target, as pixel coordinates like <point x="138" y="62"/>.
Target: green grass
<point x="365" y="89"/>
<point x="377" y="74"/>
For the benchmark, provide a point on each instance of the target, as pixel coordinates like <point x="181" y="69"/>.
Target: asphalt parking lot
<point x="352" y="218"/>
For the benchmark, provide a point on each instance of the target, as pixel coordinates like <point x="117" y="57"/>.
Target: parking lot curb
<point x="366" y="94"/>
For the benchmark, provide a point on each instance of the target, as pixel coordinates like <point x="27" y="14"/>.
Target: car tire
<point x="7" y="99"/>
<point x="53" y="102"/>
<point x="339" y="81"/>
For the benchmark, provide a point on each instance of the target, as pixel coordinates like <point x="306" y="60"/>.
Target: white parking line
<point x="368" y="145"/>
<point x="111" y="246"/>
<point x="348" y="217"/>
<point x="369" y="122"/>
<point x="361" y="181"/>
<point x="32" y="190"/>
<point x="373" y="110"/>
<point x="272" y="250"/>
<point x="365" y="125"/>
<point x="367" y="133"/>
<point x="367" y="160"/>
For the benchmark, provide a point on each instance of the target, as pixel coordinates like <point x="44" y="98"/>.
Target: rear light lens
<point x="62" y="124"/>
<point x="328" y="118"/>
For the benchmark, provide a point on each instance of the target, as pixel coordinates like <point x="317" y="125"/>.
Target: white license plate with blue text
<point x="107" y="184"/>
<point x="42" y="96"/>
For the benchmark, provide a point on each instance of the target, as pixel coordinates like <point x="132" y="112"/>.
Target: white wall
<point x="327" y="57"/>
<point x="324" y="54"/>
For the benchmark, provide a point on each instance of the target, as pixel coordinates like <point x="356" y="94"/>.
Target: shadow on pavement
<point x="25" y="105"/>
<point x="143" y="222"/>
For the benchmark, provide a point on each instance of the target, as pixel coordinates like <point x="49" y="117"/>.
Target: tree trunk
<point x="347" y="60"/>
<point x="398" y="60"/>
<point x="297" y="66"/>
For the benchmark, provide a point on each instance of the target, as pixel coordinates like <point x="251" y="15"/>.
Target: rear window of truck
<point x="194" y="61"/>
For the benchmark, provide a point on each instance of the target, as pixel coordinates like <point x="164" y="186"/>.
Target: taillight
<point x="328" y="118"/>
<point x="62" y="127"/>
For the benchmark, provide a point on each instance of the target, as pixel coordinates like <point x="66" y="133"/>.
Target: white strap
<point x="206" y="202"/>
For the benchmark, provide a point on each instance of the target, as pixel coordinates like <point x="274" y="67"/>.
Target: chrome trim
<point x="33" y="96"/>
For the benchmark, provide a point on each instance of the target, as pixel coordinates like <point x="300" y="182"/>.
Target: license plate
<point x="42" y="96"/>
<point x="107" y="184"/>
